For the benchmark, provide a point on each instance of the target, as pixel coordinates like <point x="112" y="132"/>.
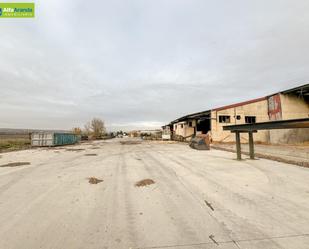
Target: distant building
<point x="166" y="132"/>
<point x="288" y="104"/>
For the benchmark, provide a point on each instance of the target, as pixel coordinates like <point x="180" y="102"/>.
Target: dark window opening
<point x="203" y="124"/>
<point x="238" y="117"/>
<point x="224" y="119"/>
<point x="181" y="126"/>
<point x="190" y="124"/>
<point x="250" y="119"/>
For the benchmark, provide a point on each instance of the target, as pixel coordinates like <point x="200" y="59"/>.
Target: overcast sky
<point x="143" y="63"/>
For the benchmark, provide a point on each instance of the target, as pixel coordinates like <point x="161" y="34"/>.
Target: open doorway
<point x="203" y="124"/>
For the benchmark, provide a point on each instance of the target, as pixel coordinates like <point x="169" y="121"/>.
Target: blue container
<point x="53" y="139"/>
<point x="65" y="139"/>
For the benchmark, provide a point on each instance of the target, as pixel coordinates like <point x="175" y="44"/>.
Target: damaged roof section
<point x="196" y="115"/>
<point x="302" y="91"/>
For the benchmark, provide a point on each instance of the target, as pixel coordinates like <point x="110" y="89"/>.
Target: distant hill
<point x="7" y="131"/>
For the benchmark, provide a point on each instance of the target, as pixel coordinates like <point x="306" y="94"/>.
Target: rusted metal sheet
<point x="274" y="107"/>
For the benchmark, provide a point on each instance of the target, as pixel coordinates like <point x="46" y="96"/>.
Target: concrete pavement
<point x="200" y="199"/>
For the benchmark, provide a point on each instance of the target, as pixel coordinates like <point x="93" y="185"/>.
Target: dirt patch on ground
<point x="130" y="142"/>
<point x="269" y="157"/>
<point x="94" y="180"/>
<point x="95" y="148"/>
<point x="75" y="149"/>
<point x="144" y="183"/>
<point x="16" y="164"/>
<point x="91" y="154"/>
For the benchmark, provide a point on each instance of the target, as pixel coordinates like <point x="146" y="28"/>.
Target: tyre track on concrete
<point x="114" y="208"/>
<point x="261" y="200"/>
<point x="130" y="217"/>
<point x="228" y="215"/>
<point x="106" y="215"/>
<point x="44" y="170"/>
<point x="121" y="232"/>
<point x="21" y="173"/>
<point x="38" y="199"/>
<point x="182" y="224"/>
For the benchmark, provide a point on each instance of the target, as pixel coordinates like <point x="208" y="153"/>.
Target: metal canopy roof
<point x="280" y="124"/>
<point x="192" y="116"/>
<point x="300" y="90"/>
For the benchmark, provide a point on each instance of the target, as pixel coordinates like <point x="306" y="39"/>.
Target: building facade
<point x="288" y="104"/>
<point x="241" y="113"/>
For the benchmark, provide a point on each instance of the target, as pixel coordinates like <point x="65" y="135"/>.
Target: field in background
<point x="9" y="142"/>
<point x="18" y="139"/>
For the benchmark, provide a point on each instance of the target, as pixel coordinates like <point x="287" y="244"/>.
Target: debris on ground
<point x="74" y="149"/>
<point x="95" y="148"/>
<point x="144" y="183"/>
<point x="213" y="240"/>
<point x="16" y="164"/>
<point x="209" y="205"/>
<point x="94" y="180"/>
<point x="91" y="154"/>
<point x="200" y="143"/>
<point x="130" y="142"/>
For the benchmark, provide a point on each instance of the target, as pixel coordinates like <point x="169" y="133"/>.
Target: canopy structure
<point x="251" y="128"/>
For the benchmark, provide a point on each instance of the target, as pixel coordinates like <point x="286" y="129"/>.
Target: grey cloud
<point x="143" y="63"/>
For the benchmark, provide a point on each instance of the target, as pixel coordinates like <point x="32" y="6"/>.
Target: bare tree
<point x="98" y="128"/>
<point x="87" y="128"/>
<point x="77" y="131"/>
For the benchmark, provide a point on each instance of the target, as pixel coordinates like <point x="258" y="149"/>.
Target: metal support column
<point x="251" y="145"/>
<point x="238" y="146"/>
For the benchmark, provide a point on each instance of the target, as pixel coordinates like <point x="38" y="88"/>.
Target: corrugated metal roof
<point x="191" y="116"/>
<point x="304" y="89"/>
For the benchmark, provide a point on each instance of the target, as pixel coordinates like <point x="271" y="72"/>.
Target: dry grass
<point x="144" y="183"/>
<point x="14" y="144"/>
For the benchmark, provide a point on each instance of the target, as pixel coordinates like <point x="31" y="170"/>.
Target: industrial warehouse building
<point x="288" y="104"/>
